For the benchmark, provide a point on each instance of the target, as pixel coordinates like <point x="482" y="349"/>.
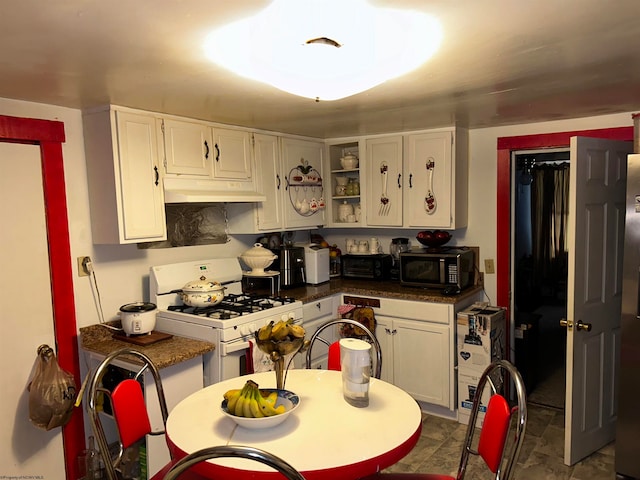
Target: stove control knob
<point x="284" y="317"/>
<point x="248" y="329"/>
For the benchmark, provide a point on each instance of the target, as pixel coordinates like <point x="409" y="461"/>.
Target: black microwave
<point x="366" y="266"/>
<point x="444" y="267"/>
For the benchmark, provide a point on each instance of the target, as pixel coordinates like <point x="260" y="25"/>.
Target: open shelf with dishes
<point x="345" y="184"/>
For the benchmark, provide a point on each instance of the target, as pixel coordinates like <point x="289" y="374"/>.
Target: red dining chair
<point x="493" y="436"/>
<point x="128" y="406"/>
<point x="334" y="348"/>
<point x="237" y="451"/>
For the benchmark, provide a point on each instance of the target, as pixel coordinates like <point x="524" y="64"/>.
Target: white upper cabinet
<point x="197" y="149"/>
<point x="123" y="173"/>
<point x="188" y="148"/>
<point x="289" y="175"/>
<point x="304" y="197"/>
<point x="384" y="181"/>
<point x="232" y="155"/>
<point x="270" y="184"/>
<point x="418" y="180"/>
<point x="436" y="180"/>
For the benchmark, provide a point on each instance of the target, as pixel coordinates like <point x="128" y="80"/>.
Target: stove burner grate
<point x="234" y="305"/>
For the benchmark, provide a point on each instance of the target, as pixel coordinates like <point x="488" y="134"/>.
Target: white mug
<point x="363" y="247"/>
<point x="374" y="245"/>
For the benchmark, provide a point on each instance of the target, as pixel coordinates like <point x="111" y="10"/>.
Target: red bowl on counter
<point x="435" y="238"/>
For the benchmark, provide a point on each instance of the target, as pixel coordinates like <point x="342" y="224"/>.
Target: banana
<point x="271" y="397"/>
<point x="266" y="407"/>
<point x="232" y="400"/>
<point x="230" y="393"/>
<point x="242" y="399"/>
<point x="265" y="331"/>
<point x="246" y="412"/>
<point x="280" y="330"/>
<point x="296" y="331"/>
<point x="256" y="412"/>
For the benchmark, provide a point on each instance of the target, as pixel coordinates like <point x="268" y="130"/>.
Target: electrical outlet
<point x="489" y="266"/>
<point x="83" y="269"/>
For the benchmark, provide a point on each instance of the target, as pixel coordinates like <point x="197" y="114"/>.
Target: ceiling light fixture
<point x="325" y="49"/>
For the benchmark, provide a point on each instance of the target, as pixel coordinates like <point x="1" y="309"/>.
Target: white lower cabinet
<point x="314" y="314"/>
<point x="417" y="342"/>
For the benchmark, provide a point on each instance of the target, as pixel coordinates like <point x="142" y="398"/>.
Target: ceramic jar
<point x="344" y="210"/>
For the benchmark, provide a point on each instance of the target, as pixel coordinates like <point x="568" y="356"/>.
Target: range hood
<point x="189" y="190"/>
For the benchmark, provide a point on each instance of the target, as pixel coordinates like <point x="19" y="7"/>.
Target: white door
<point x="25" y="312"/>
<point x="596" y="226"/>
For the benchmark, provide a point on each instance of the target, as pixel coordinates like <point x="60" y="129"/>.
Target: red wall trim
<point x="25" y="130"/>
<point x="503" y="214"/>
<point x="561" y="139"/>
<point x="50" y="135"/>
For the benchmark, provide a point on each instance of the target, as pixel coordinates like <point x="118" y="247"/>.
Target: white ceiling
<point x="501" y="62"/>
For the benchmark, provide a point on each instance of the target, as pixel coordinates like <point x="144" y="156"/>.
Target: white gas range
<point x="229" y="325"/>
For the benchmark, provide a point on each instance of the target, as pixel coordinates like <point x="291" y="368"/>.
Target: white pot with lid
<point x="138" y="318"/>
<point x="202" y="293"/>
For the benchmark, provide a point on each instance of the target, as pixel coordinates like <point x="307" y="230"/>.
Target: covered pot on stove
<point x="202" y="293"/>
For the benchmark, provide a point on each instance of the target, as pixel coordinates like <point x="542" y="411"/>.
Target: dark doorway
<point x="540" y="196"/>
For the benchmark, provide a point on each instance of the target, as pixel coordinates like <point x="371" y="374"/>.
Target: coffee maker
<point x="398" y="245"/>
<point x="292" y="271"/>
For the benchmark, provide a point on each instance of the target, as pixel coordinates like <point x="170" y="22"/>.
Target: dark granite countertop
<point x="385" y="289"/>
<point x="165" y="353"/>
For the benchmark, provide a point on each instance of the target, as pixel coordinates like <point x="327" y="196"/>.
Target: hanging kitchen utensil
<point x="384" y="200"/>
<point x="430" y="200"/>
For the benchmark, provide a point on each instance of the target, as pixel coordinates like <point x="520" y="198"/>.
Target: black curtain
<point x="549" y="214"/>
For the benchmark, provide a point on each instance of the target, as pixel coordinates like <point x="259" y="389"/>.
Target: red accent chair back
<point x="127" y="403"/>
<point x="334" y="348"/>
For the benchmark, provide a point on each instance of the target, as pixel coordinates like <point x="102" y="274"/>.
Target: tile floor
<point x="440" y="445"/>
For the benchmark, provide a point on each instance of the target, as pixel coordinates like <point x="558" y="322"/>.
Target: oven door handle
<point x="234" y="347"/>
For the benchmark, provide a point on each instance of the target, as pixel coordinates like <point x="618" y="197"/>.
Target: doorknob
<point x="580" y="325"/>
<point x="566" y="323"/>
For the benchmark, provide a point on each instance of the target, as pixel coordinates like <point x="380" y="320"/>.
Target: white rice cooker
<point x="138" y="318"/>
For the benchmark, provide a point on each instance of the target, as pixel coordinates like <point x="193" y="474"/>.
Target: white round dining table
<point x="325" y="437"/>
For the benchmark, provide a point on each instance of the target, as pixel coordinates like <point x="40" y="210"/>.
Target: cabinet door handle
<point x="411" y="180"/>
<point x="399" y="177"/>
<point x="394" y="331"/>
<point x="278" y="179"/>
<point x="286" y="180"/>
<point x="157" y="175"/>
<point x="217" y="152"/>
<point x="387" y="331"/>
<point x="206" y="151"/>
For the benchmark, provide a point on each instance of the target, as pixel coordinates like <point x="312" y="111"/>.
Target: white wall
<point x="121" y="270"/>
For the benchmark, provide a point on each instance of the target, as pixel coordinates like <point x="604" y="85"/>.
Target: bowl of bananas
<point x="257" y="408"/>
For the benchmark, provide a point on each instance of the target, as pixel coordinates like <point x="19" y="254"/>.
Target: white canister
<point x="374" y="245"/>
<point x="344" y="210"/>
<point x="355" y="363"/>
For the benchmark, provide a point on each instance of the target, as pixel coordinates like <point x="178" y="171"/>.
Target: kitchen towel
<point x="259" y="361"/>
